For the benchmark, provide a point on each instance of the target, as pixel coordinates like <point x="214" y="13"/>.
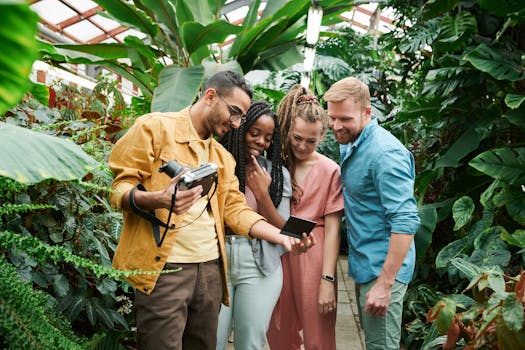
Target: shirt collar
<point x="367" y="130"/>
<point x="346" y="150"/>
<point x="185" y="131"/>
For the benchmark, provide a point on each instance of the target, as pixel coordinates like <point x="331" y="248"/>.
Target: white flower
<point x="523" y="188"/>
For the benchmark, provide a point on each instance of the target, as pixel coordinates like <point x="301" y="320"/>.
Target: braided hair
<point x="298" y="103"/>
<point x="234" y="141"/>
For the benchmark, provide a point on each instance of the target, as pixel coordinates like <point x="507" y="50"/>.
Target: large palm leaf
<point x="507" y="164"/>
<point x="30" y="157"/>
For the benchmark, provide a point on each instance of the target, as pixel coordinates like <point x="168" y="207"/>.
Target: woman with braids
<point x="254" y="269"/>
<point x="309" y="294"/>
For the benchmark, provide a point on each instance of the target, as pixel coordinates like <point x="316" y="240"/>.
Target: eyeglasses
<point x="236" y="116"/>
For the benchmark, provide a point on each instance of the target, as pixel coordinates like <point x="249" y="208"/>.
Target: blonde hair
<point x="298" y="103"/>
<point x="349" y="88"/>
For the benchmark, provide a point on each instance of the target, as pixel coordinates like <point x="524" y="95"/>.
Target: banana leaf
<point x="30" y="157"/>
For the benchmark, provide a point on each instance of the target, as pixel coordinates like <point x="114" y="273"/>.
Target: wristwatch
<point x="328" y="278"/>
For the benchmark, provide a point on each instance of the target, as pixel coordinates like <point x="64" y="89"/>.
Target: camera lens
<point x="171" y="168"/>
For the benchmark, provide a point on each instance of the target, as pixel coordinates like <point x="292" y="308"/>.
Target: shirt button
<point x="157" y="258"/>
<point x="146" y="289"/>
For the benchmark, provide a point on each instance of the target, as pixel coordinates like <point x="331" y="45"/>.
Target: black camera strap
<point x="156" y="223"/>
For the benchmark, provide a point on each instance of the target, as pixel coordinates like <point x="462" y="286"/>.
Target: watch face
<point x="328" y="278"/>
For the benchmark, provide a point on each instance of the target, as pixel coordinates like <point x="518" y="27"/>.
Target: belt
<point x="174" y="266"/>
<point x="232" y="238"/>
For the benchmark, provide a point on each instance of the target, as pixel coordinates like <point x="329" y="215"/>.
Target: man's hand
<point x="378" y="298"/>
<point x="184" y="199"/>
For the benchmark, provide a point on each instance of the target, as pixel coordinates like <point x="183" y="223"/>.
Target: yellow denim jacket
<point x="153" y="140"/>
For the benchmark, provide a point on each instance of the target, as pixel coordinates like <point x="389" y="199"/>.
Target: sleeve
<point x="394" y="176"/>
<point x="284" y="207"/>
<point x="131" y="159"/>
<point x="334" y="200"/>
<point x="237" y="214"/>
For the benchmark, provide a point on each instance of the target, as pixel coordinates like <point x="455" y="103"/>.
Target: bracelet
<point x="328" y="278"/>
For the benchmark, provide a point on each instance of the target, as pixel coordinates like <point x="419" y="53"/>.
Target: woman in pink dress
<point x="308" y="298"/>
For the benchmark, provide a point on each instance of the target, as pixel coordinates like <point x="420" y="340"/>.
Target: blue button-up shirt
<point x="378" y="186"/>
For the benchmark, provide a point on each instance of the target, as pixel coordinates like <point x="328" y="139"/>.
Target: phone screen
<point x="295" y="226"/>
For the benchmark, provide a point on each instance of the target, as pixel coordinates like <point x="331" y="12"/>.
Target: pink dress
<point x="296" y="309"/>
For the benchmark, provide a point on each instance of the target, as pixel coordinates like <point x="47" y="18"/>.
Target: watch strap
<point x="328" y="278"/>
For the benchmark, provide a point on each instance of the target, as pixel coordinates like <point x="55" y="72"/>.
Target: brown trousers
<point x="182" y="311"/>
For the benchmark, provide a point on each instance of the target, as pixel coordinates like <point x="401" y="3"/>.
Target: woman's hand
<point x="327" y="302"/>
<point x="257" y="178"/>
<point x="302" y="246"/>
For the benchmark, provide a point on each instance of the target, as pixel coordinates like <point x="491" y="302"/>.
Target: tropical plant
<point x="492" y="319"/>
<point x="27" y="320"/>
<point x="464" y="122"/>
<point x="19" y="51"/>
<point x="58" y="232"/>
<point x="183" y="45"/>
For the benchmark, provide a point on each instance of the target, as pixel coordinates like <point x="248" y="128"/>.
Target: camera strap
<point x="156" y="223"/>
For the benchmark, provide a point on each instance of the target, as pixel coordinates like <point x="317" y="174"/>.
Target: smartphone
<point x="295" y="226"/>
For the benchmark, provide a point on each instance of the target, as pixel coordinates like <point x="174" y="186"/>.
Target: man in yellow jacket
<point x="180" y="310"/>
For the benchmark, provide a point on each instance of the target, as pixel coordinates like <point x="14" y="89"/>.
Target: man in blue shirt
<point x="381" y="214"/>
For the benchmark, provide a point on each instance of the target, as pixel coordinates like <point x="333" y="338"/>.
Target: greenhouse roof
<point x="83" y="21"/>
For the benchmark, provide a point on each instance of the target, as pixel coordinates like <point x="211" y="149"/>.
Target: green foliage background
<point x="449" y="83"/>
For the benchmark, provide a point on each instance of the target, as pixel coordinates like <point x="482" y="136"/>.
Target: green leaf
<point x="516" y="239"/>
<point x="164" y="12"/>
<point x="40" y="92"/>
<point x="19" y="51"/>
<point x="183" y="12"/>
<point x="129" y="15"/>
<point x="515" y="204"/>
<point x="462" y="211"/>
<point x="433" y="8"/>
<point x="138" y="51"/>
<point x="420" y="36"/>
<point x="104" y="50"/>
<point x="71" y="306"/>
<point x="488" y="258"/>
<point x="500" y="64"/>
<point x="60" y="285"/>
<point x="508" y="339"/>
<point x="90" y="312"/>
<point x="514" y="101"/>
<point x="194" y="35"/>
<point x="247" y="24"/>
<point x="447" y="311"/>
<point x="455" y="32"/>
<point x="469" y="269"/>
<point x="186" y="81"/>
<point x="501" y="8"/>
<point x="450" y="251"/>
<point x="507" y="164"/>
<point x="516" y="117"/>
<point x="513" y="312"/>
<point x="465" y="144"/>
<point x="497" y="283"/>
<point x="106" y="286"/>
<point x="490" y="239"/>
<point x="423" y="238"/>
<point x="204" y="11"/>
<point x="486" y="197"/>
<point x="276" y="59"/>
<point x="30" y="157"/>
